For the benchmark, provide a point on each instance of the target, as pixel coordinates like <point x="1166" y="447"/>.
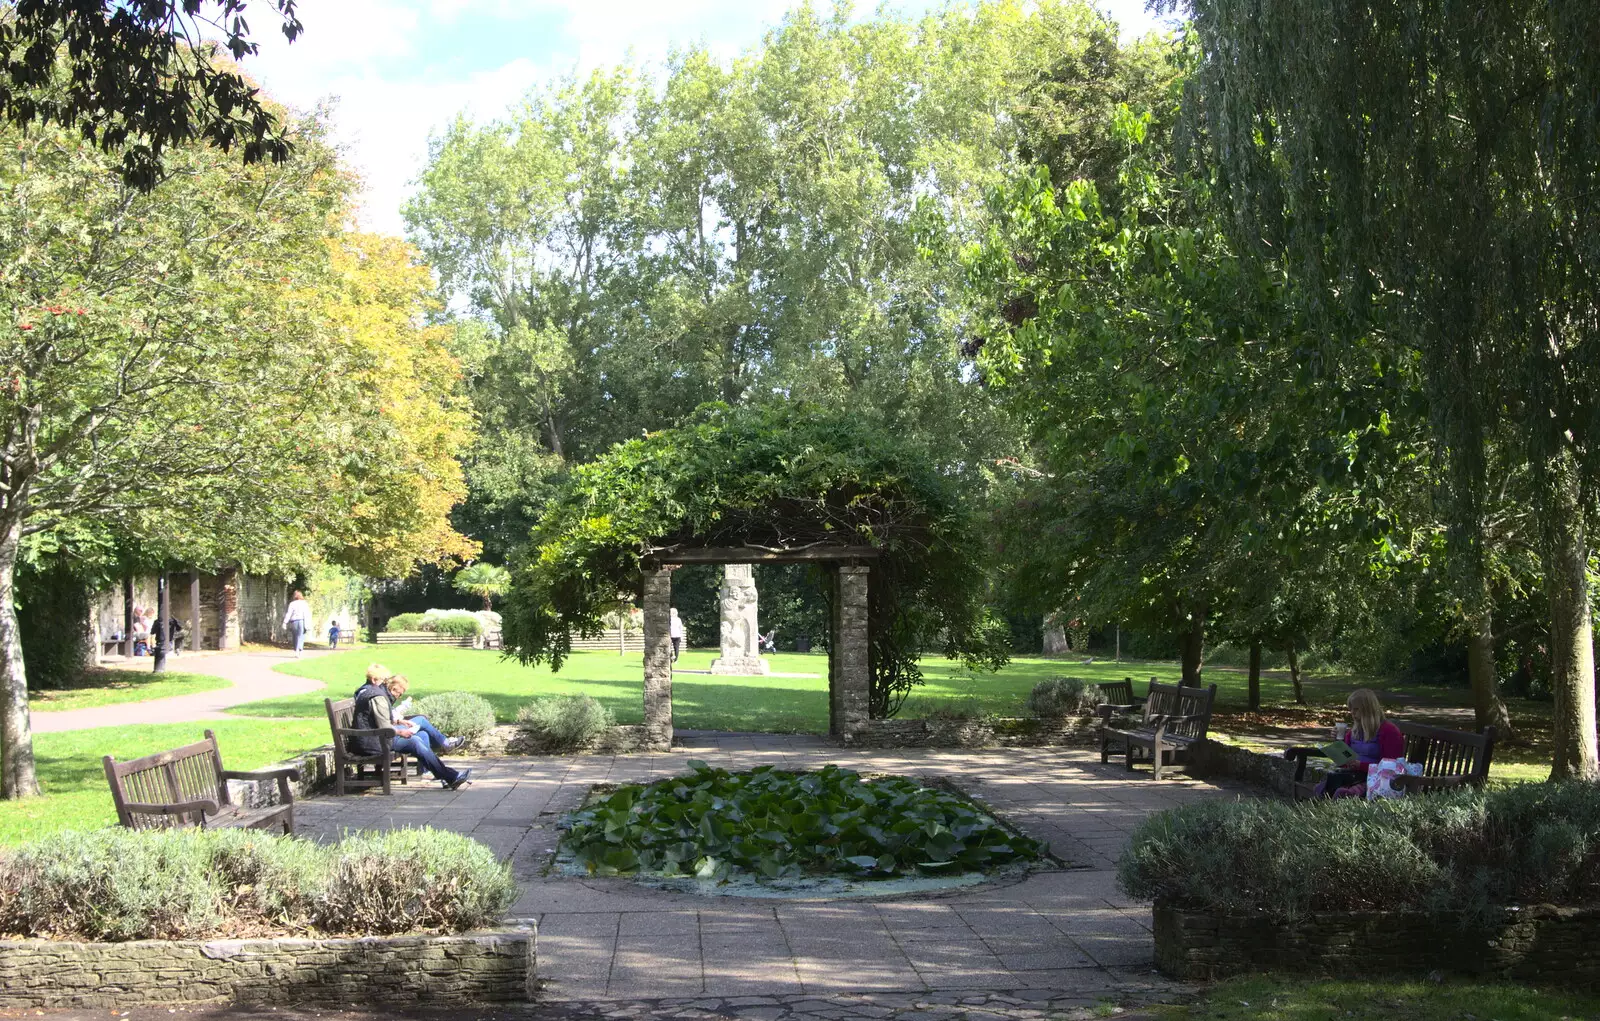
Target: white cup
<point x="1339" y="731"/>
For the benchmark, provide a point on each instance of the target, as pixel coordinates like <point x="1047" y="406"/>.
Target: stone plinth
<point x="741" y="647"/>
<point x="658" y="659"/>
<point x="1543" y="942"/>
<point x="849" y="678"/>
<point x="433" y="971"/>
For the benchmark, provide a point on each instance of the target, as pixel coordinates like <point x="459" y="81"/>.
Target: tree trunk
<point x="17" y="778"/>
<point x="1192" y="646"/>
<point x="1571" y="633"/>
<point x="1255" y="676"/>
<point x="1487" y="706"/>
<point x="1294" y="674"/>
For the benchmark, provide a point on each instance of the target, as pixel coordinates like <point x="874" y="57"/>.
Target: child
<point x="1371" y="737"/>
<point x="333" y="634"/>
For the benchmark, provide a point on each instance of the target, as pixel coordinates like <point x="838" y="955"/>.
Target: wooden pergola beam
<point x="763" y="555"/>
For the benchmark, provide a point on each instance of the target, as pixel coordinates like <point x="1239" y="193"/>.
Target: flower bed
<point x="1504" y="882"/>
<point x="778" y="825"/>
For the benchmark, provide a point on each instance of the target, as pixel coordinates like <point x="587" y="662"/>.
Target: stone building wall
<point x="258" y="602"/>
<point x="1543" y="942"/>
<point x="443" y="971"/>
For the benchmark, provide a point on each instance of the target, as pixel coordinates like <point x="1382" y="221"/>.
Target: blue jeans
<point x="297" y="628"/>
<point x="425" y="725"/>
<point x="421" y="745"/>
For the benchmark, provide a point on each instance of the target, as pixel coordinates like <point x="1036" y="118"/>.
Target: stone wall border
<point x="493" y="966"/>
<point x="1209" y="759"/>
<point x="1544" y="942"/>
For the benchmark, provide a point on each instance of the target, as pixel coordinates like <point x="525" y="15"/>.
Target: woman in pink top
<point x="1371" y="737"/>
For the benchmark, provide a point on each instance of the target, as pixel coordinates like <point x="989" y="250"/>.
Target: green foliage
<point x="565" y="722"/>
<point x="1463" y="851"/>
<point x="458" y="714"/>
<point x="778" y="477"/>
<point x="461" y="627"/>
<point x="117" y="884"/>
<point x="52" y="603"/>
<point x="482" y="580"/>
<point x="1063" y="696"/>
<point x="404" y="622"/>
<point x="782" y="825"/>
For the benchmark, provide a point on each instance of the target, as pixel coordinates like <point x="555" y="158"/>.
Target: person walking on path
<point x="675" y="632"/>
<point x="297" y="618"/>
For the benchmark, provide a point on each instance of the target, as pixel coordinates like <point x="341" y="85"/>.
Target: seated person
<point x="397" y="686"/>
<point x="141" y="634"/>
<point x="768" y="641"/>
<point x="374" y="702"/>
<point x="1371" y="737"/>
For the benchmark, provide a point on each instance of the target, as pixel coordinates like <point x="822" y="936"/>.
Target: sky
<point x="400" y="70"/>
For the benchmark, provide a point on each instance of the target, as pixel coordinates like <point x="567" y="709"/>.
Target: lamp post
<point x="162" y="616"/>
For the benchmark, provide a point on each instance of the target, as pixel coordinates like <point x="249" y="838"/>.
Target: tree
<point x="139" y="78"/>
<point x="211" y="371"/>
<point x="484" y="581"/>
<point x="1437" y="165"/>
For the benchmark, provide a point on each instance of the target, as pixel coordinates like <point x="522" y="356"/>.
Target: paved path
<point x="251" y="673"/>
<point x="1062" y="935"/>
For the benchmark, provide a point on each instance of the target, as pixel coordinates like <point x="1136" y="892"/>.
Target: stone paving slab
<point x="1063" y="933"/>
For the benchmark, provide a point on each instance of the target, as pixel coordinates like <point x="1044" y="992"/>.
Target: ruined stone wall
<point x="486" y="967"/>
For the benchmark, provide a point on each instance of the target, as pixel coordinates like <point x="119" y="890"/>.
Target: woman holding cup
<point x="1370" y="736"/>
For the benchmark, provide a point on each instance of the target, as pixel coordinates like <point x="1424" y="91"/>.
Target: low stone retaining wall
<point x="510" y="739"/>
<point x="1551" y="944"/>
<point x="1030" y="732"/>
<point x="485" y="967"/>
<point x="924" y="734"/>
<point x="316" y="772"/>
<point x="1209" y="759"/>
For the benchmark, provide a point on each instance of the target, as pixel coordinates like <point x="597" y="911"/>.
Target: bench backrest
<point x="1117" y="692"/>
<point x="190" y="773"/>
<point x="1179" y="700"/>
<point x="1445" y="752"/>
<point x="341" y="714"/>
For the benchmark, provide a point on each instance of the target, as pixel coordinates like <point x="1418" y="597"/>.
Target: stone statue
<point x="740" y="637"/>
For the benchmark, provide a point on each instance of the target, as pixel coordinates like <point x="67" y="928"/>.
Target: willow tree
<point x="1437" y="163"/>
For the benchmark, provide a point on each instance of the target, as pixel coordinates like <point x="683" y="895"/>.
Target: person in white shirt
<point x="297" y="618"/>
<point x="675" y="632"/>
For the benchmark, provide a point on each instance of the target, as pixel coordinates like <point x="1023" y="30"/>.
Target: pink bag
<point x="1380" y="778"/>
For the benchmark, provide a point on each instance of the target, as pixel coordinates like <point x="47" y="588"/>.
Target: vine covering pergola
<point x="886" y="521"/>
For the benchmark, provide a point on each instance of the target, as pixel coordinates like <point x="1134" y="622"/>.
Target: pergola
<point x="848" y="674"/>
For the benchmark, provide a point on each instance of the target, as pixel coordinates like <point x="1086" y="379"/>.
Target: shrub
<point x="565" y="722"/>
<point x="1063" y="696"/>
<point x="404" y="622"/>
<point x="776" y="824"/>
<point x="461" y="627"/>
<point x="458" y="714"/>
<point x="1465" y="851"/>
<point x="117" y="884"/>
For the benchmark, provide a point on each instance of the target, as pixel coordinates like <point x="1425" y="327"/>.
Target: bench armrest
<point x="206" y="806"/>
<point x="287" y="772"/>
<point x="1106" y="710"/>
<point x="1163" y="719"/>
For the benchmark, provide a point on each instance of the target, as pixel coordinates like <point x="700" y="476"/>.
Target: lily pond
<point x="767" y="832"/>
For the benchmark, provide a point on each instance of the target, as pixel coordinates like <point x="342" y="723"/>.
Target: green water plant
<point x="780" y="825"/>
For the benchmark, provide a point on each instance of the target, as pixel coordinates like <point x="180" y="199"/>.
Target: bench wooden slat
<point x="188" y="787"/>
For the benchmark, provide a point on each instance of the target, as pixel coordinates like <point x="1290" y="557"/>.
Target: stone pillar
<point x="848" y="674"/>
<point x="658" y="659"/>
<point x="1055" y="635"/>
<point x="228" y="634"/>
<point x="741" y="649"/>
<point x="195" y="624"/>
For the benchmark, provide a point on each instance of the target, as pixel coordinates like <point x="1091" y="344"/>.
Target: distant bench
<point x="1174" y="717"/>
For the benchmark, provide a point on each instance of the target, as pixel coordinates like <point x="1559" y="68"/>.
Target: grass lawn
<point x="113" y="687"/>
<point x="1275" y="998"/>
<point x="74" y="782"/>
<point x="699" y="701"/>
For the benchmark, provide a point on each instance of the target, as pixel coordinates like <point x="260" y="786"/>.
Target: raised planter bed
<point x="484" y="967"/>
<point x="1543" y="942"/>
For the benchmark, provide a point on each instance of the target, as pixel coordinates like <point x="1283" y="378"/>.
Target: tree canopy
<point x="780" y="477"/>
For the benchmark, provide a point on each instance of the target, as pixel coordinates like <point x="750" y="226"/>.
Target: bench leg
<point x="1128" y="755"/>
<point x="383" y="767"/>
<point x="1105" y="747"/>
<point x="288" y="822"/>
<point x="1155" y="758"/>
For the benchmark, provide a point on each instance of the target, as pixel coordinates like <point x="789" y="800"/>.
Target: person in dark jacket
<point x="374" y="709"/>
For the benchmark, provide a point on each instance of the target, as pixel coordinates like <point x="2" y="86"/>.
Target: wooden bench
<point x="1450" y="759"/>
<point x="188" y="787"/>
<point x="387" y="764"/>
<point x="1174" y="717"/>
